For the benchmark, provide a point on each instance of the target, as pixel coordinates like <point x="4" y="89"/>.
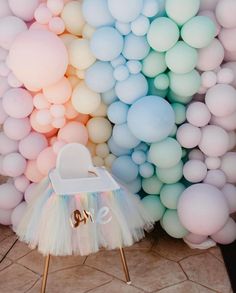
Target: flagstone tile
<point x="19" y="250"/>
<point x="4" y="263"/>
<point x="7" y="243"/>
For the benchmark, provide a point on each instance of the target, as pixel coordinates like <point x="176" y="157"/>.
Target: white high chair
<point x="75" y="173"/>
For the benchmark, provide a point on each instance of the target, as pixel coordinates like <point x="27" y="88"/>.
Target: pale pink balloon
<point x="18" y="214"/>
<point x="18" y="103"/>
<point x="24" y="9"/>
<point x="44" y="117"/>
<point x="21" y="183"/>
<point x="227" y="122"/>
<point x="30" y="192"/>
<point x="214" y="141"/>
<point x="32" y="172"/>
<point x="46" y="160"/>
<point x="57" y="145"/>
<point x="232" y="140"/>
<point x="13" y="81"/>
<point x="228" y="166"/>
<point x="14" y="164"/>
<point x="7" y="145"/>
<point x="194" y="171"/>
<point x="216" y="178"/>
<point x="16" y="128"/>
<point x="188" y="135"/>
<point x="229" y="191"/>
<point x="32" y="145"/>
<point x="40" y="102"/>
<point x="198" y="114"/>
<point x="10" y="28"/>
<point x="4" y="69"/>
<point x="194" y="238"/>
<point x="196" y="154"/>
<point x="42" y="14"/>
<point x="3" y="114"/>
<point x="208" y="78"/>
<point x="212" y="163"/>
<point x="5" y="215"/>
<point x="4" y="9"/>
<point x="225" y="75"/>
<point x="3" y="54"/>
<point x="230" y="55"/>
<point x="211" y="56"/>
<point x="57" y="111"/>
<point x="37" y="25"/>
<point x="38" y="127"/>
<point x="227" y="234"/>
<point x="10" y="197"/>
<point x="227" y="37"/>
<point x="38" y="58"/>
<point x="202" y="209"/>
<point x="59" y="122"/>
<point x="4" y="86"/>
<point x="55" y="6"/>
<point x="52" y="140"/>
<point x="225" y="13"/>
<point x="58" y="93"/>
<point x="221" y="100"/>
<point x="208" y="5"/>
<point x="56" y="25"/>
<point x="74" y="132"/>
<point x="212" y="16"/>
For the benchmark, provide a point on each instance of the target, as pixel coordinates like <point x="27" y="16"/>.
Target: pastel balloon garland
<point x="147" y="85"/>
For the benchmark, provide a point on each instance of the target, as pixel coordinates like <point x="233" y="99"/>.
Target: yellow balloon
<point x="99" y="129"/>
<point x="97" y="161"/>
<point x="88" y="31"/>
<point x="102" y="150"/>
<point x="101" y="111"/>
<point x="84" y="100"/>
<point x="109" y="160"/>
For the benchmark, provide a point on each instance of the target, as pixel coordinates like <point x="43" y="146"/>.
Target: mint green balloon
<point x="173" y="97"/>
<point x="170" y="194"/>
<point x="181" y="58"/>
<point x="172" y="225"/>
<point x="166" y="153"/>
<point x="154" y="207"/>
<point x="163" y="34"/>
<point x="182" y="10"/>
<point x="173" y="131"/>
<point x="154" y="64"/>
<point x="180" y="112"/>
<point x="170" y="175"/>
<point x="198" y="32"/>
<point x="161" y="81"/>
<point x="184" y="153"/>
<point x="152" y="185"/>
<point x="185" y="85"/>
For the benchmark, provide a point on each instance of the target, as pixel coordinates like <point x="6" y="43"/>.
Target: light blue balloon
<point x="134" y="186"/>
<point x="123" y="28"/>
<point x="109" y="97"/>
<point x="140" y="25"/>
<point x="96" y="13"/>
<point x="135" y="47"/>
<point x="131" y="89"/>
<point x="117" y="112"/>
<point x="172" y="225"/>
<point x="134" y="66"/>
<point x="139" y="157"/>
<point x="154" y="207"/>
<point x="124" y="169"/>
<point x="120" y="60"/>
<point x="150" y="8"/>
<point x="123" y="137"/>
<point x="117" y="150"/>
<point x="121" y="73"/>
<point x="142" y="146"/>
<point x="146" y="170"/>
<point x="106" y="43"/>
<point x="151" y="119"/>
<point x="99" y="77"/>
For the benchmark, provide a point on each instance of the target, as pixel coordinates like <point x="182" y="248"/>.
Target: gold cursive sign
<point x="77" y="218"/>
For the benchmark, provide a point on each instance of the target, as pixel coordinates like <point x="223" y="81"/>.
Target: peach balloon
<point x="221" y="100"/>
<point x="24" y="9"/>
<point x="57" y="111"/>
<point x="228" y="166"/>
<point x="225" y="13"/>
<point x="83" y="118"/>
<point x="214" y="141"/>
<point x="38" y="58"/>
<point x="21" y="183"/>
<point x="188" y="135"/>
<point x="42" y="14"/>
<point x="55" y="6"/>
<point x="216" y="178"/>
<point x="58" y="122"/>
<point x="198" y="114"/>
<point x="40" y="102"/>
<point x="38" y="127"/>
<point x="194" y="171"/>
<point x="16" y="128"/>
<point x="195" y="239"/>
<point x="46" y="160"/>
<point x="44" y="117"/>
<point x="32" y="172"/>
<point x="56" y="25"/>
<point x="74" y="132"/>
<point x="208" y="5"/>
<point x="58" y="93"/>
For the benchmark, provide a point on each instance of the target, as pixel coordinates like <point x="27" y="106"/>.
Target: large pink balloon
<point x="4" y="8"/>
<point x="216" y="178"/>
<point x="38" y="127"/>
<point x="194" y="171"/>
<point x="14" y="164"/>
<point x="7" y="145"/>
<point x="198" y="114"/>
<point x="202" y="209"/>
<point x="188" y="135"/>
<point x="10" y="197"/>
<point x="227" y="37"/>
<point x="38" y="58"/>
<point x="227" y="234"/>
<point x="16" y="128"/>
<point x="24" y="8"/>
<point x="46" y="160"/>
<point x="225" y="13"/>
<point x="74" y="132"/>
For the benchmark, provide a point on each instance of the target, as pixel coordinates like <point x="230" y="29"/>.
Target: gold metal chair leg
<point x="45" y="274"/>
<point x="125" y="267"/>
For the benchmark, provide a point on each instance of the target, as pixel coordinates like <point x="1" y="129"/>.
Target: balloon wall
<point x="147" y="85"/>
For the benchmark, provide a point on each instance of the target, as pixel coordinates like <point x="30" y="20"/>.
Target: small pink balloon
<point x="228" y="166"/>
<point x="198" y="114"/>
<point x="30" y="192"/>
<point x="14" y="164"/>
<point x="227" y="37"/>
<point x="214" y="141"/>
<point x="21" y="183"/>
<point x="58" y="93"/>
<point x="40" y="102"/>
<point x="18" y="103"/>
<point x="229" y="191"/>
<point x="5" y="216"/>
<point x="194" y="171"/>
<point x="16" y="129"/>
<point x="208" y="78"/>
<point x="227" y="234"/>
<point x="57" y="111"/>
<point x="225" y="13"/>
<point x="32" y="145"/>
<point x="196" y="154"/>
<point x="55" y="6"/>
<point x="24" y="9"/>
<point x="42" y="14"/>
<point x="195" y="239"/>
<point x="32" y="172"/>
<point x="38" y="58"/>
<point x="38" y="127"/>
<point x="74" y="132"/>
<point x="10" y="197"/>
<point x="216" y="178"/>
<point x="212" y="163"/>
<point x="59" y="122"/>
<point x="44" y="117"/>
<point x="188" y="135"/>
<point x="226" y="122"/>
<point x="46" y="160"/>
<point x="7" y="145"/>
<point x="13" y="81"/>
<point x="18" y="214"/>
<point x="225" y="75"/>
<point x="56" y="25"/>
<point x="3" y="114"/>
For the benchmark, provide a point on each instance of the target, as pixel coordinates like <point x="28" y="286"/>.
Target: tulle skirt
<point x="82" y="223"/>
